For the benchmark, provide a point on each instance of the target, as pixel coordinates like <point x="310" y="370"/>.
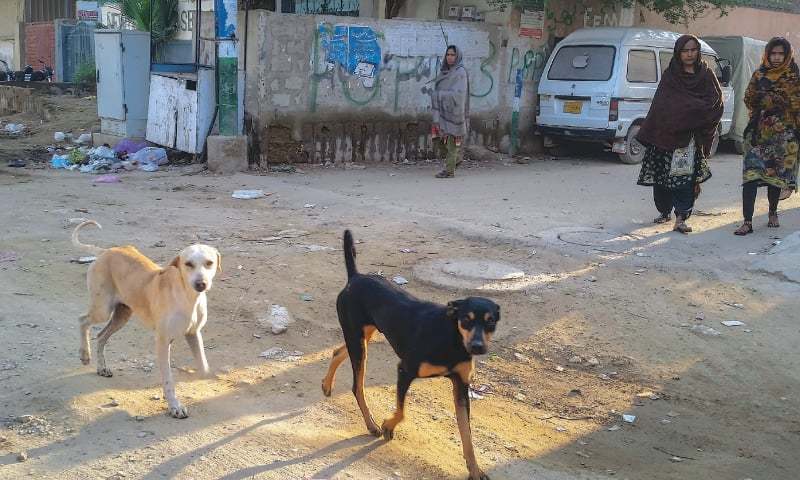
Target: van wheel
<point x="634" y="151"/>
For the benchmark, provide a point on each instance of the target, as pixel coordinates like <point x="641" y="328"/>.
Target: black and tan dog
<point x="431" y="340"/>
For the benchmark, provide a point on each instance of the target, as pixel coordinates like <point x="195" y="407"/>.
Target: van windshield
<point x="582" y="63"/>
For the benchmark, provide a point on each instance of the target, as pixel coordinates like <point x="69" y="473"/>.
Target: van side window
<point x="665" y="57"/>
<point x="642" y="66"/>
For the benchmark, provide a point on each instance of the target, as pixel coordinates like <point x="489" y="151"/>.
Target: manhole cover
<point x="482" y="270"/>
<point x="484" y="276"/>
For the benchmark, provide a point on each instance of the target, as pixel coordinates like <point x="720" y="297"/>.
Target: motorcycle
<point x="28" y="74"/>
<point x="6" y="74"/>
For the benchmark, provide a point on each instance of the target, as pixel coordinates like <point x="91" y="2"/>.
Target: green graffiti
<point x="532" y="63"/>
<point x="566" y="17"/>
<point x="402" y="75"/>
<point x="316" y="76"/>
<point x="349" y="96"/>
<point x="487" y="72"/>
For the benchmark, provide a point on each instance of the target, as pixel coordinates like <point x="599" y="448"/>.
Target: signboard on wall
<point x="187" y="9"/>
<point x="87" y="11"/>
<point x="531" y="24"/>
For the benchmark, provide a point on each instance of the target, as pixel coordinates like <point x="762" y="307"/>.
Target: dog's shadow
<point x="366" y="443"/>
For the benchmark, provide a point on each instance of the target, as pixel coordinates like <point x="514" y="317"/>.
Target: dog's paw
<point x="479" y="476"/>
<point x="86" y="357"/>
<point x="326" y="389"/>
<point x="375" y="431"/>
<point x="105" y="372"/>
<point x="178" y="411"/>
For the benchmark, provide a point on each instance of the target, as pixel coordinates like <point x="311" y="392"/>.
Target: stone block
<point x="227" y="155"/>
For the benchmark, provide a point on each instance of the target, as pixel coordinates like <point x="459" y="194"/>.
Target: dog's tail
<point x="89" y="248"/>
<point x="349" y="254"/>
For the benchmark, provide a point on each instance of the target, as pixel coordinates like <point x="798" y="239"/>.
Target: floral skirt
<point x="658" y="168"/>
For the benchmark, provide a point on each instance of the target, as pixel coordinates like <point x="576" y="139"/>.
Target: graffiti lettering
<point x="531" y="64"/>
<point x="350" y="57"/>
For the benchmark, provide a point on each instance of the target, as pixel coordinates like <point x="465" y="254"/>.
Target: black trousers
<point x="749" y="191"/>
<point x="680" y="199"/>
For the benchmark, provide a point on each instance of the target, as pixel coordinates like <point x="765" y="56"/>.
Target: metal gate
<point x="76" y="46"/>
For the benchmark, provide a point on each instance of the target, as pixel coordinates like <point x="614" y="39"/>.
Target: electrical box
<point x="122" y="61"/>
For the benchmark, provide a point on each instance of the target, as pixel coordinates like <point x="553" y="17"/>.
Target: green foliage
<point x="674" y="11"/>
<point x="86" y="74"/>
<point x="159" y="17"/>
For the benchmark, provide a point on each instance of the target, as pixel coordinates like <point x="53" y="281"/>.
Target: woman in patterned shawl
<point x="773" y="98"/>
<point x="678" y="132"/>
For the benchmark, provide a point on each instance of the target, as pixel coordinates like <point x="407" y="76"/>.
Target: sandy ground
<point x="619" y="290"/>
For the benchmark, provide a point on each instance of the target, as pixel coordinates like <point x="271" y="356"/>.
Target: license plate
<point x="573" y="107"/>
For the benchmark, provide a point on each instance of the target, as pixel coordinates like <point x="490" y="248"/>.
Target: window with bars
<point x="321" y="7"/>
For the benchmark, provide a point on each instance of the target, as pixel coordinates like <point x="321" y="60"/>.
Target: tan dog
<point x="170" y="300"/>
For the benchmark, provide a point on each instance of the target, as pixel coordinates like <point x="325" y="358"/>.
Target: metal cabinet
<point x="122" y="59"/>
<point x="181" y="109"/>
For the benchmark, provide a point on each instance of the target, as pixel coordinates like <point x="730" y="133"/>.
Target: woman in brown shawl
<point x="773" y="98"/>
<point x="678" y="132"/>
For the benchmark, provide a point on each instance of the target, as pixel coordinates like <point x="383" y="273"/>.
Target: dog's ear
<point x="176" y="262"/>
<point x="219" y="262"/>
<point x="452" y="309"/>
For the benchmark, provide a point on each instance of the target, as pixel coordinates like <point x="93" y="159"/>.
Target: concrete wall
<point x="11" y="31"/>
<point x="304" y="101"/>
<point x="748" y="22"/>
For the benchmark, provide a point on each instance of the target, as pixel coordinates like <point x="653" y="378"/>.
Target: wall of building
<point x="748" y="22"/>
<point x="11" y="31"/>
<point x="40" y="41"/>
<point x="356" y="89"/>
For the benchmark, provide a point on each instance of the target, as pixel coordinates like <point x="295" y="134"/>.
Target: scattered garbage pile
<point x="127" y="155"/>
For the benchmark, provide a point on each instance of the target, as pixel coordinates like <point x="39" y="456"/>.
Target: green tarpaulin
<point x="744" y="54"/>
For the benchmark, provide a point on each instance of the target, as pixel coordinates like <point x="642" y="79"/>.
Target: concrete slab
<point x="227" y="155"/>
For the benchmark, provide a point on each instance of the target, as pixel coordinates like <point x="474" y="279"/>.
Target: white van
<point x="598" y="85"/>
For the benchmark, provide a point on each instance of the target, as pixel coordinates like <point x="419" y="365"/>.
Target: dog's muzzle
<point x="200" y="286"/>
<point x="477" y="348"/>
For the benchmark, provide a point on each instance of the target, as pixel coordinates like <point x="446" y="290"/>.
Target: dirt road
<point x="620" y="291"/>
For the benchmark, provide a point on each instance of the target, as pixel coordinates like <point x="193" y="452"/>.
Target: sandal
<point x="773" y="220"/>
<point x="444" y="174"/>
<point x="746" y="228"/>
<point x="680" y="226"/>
<point x="663" y="218"/>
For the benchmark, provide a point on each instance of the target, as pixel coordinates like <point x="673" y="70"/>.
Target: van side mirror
<point x="726" y="75"/>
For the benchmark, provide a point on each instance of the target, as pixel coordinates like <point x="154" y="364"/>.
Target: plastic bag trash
<point x="248" y="194"/>
<point x="281" y="355"/>
<point x="148" y="167"/>
<point x="59" y="136"/>
<point x="129" y="146"/>
<point x="95" y="166"/>
<point x="107" y="179"/>
<point x="704" y="330"/>
<point x="14" y="128"/>
<point x="102" y="153"/>
<point x="399" y="280"/>
<point x="279" y="319"/>
<point x="732" y="323"/>
<point x="60" y="161"/>
<point x="151" y="155"/>
<point x="628" y="418"/>
<point x="84" y="139"/>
